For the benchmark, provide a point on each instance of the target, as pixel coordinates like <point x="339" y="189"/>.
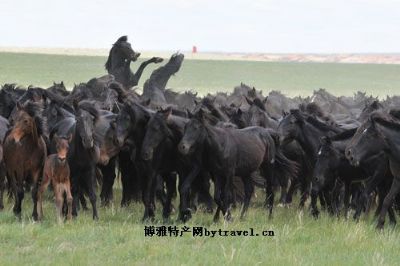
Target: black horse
<point x="119" y="61"/>
<point x="306" y="130"/>
<point x="229" y="152"/>
<point x="84" y="152"/>
<point x="380" y="132"/>
<point x="160" y="146"/>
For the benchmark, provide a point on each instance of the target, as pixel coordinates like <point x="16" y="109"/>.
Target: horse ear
<point x="19" y="105"/>
<point x="196" y="102"/>
<point x="62" y="83"/>
<point x="265" y="100"/>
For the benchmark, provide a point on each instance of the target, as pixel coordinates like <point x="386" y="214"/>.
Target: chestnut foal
<point x="56" y="170"/>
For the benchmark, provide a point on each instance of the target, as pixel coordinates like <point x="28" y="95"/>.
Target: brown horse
<point x="56" y="170"/>
<point x="24" y="153"/>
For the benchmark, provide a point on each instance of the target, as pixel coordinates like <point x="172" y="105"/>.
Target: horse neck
<point x="160" y="77"/>
<point x="309" y="139"/>
<point x="215" y="138"/>
<point x="391" y="138"/>
<point x="117" y="60"/>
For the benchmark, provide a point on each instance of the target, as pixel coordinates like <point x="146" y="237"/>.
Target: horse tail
<point x="284" y="168"/>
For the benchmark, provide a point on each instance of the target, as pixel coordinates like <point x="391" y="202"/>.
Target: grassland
<point x="213" y="75"/>
<point x="118" y="237"/>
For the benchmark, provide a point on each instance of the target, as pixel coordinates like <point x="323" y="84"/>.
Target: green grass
<point x="118" y="237"/>
<point x="211" y="76"/>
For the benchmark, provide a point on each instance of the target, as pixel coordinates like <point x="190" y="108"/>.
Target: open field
<point x="118" y="237"/>
<point x="213" y="75"/>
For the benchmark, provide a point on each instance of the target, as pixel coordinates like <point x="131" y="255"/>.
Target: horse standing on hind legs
<point x="25" y="152"/>
<point x="56" y="170"/>
<point x="119" y="62"/>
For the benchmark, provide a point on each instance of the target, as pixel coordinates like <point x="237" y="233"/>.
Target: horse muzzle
<point x="349" y="153"/>
<point x="183" y="148"/>
<point x="147" y="155"/>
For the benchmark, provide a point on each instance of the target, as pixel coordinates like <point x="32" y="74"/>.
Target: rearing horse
<point x="25" y="152"/>
<point x="119" y="62"/>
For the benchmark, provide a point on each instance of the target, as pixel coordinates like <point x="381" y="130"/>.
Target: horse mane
<point x="90" y="107"/>
<point x="320" y="125"/>
<point x="344" y="135"/>
<point x="107" y="65"/>
<point x="35" y="110"/>
<point x="395" y="113"/>
<point x="385" y="119"/>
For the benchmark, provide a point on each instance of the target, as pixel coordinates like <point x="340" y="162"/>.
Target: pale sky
<point x="273" y="26"/>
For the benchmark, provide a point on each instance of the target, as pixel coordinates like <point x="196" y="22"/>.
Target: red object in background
<point x="194" y="49"/>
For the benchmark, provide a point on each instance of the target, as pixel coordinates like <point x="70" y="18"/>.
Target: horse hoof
<point x="209" y="210"/>
<point x="315" y="214"/>
<point x="186" y="215"/>
<point x="228" y="218"/>
<point x="379" y="226"/>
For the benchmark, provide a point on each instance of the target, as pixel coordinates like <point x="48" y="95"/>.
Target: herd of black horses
<point x="341" y="151"/>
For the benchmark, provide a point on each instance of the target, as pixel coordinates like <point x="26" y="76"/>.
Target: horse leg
<point x="248" y="192"/>
<point x="228" y="196"/>
<point x="217" y="198"/>
<point x="283" y="182"/>
<point x="304" y="188"/>
<point x="314" y="207"/>
<point x="347" y="194"/>
<point x="42" y="189"/>
<point x="387" y="202"/>
<point x="2" y="186"/>
<point x="204" y="196"/>
<point x="19" y="197"/>
<point x="292" y="188"/>
<point x="269" y="196"/>
<point x="108" y="173"/>
<point x="35" y="196"/>
<point x="69" y="199"/>
<point x="392" y="216"/>
<point x="147" y="196"/>
<point x="170" y="181"/>
<point x="90" y="185"/>
<point x="82" y="201"/>
<point x="59" y="195"/>
<point x="184" y="191"/>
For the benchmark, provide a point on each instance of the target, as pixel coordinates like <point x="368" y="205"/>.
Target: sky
<point x="270" y="26"/>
